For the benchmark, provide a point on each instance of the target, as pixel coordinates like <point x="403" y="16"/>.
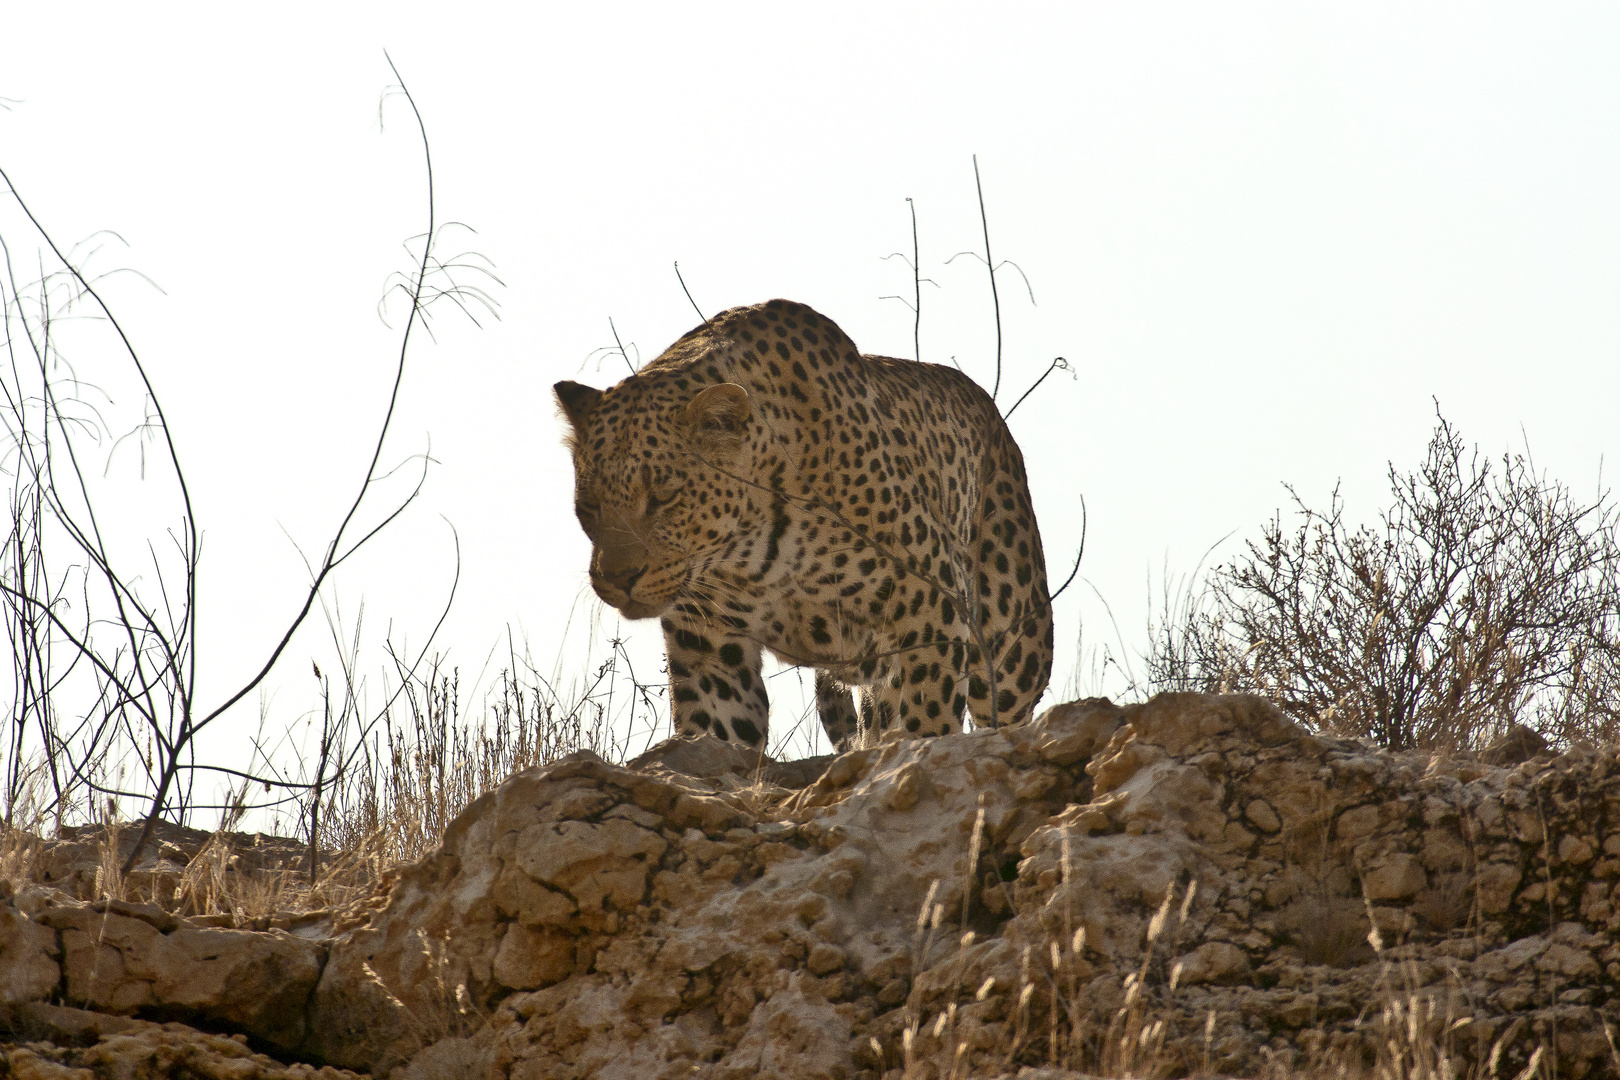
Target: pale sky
<point x="1265" y="235"/>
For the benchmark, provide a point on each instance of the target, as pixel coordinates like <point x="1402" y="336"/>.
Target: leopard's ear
<point x="577" y="400"/>
<point x="718" y="416"/>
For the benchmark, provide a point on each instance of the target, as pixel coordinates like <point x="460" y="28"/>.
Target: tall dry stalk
<point x="103" y="622"/>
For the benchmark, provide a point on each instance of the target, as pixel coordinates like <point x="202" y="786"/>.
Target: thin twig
<point x="1078" y="555"/>
<point x="688" y="292"/>
<point x="990" y="263"/>
<point x="1053" y="366"/>
<point x="916" y="282"/>
<point x="620" y="344"/>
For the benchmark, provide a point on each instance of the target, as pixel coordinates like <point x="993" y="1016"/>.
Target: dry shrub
<point x="1450" y="903"/>
<point x="1486" y="594"/>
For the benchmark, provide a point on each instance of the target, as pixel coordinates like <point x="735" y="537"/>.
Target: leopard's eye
<point x="586" y="511"/>
<point x="660" y="497"/>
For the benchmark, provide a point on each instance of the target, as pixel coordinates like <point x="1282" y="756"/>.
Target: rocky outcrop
<point x="83" y="858"/>
<point x="72" y="1044"/>
<point x="129" y="959"/>
<point x="1193" y="884"/>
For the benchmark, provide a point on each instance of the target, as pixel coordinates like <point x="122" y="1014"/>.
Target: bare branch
<point x="1055" y="365"/>
<point x="989" y="261"/>
<point x="620" y="346"/>
<point x="1080" y="553"/>
<point x="688" y="292"/>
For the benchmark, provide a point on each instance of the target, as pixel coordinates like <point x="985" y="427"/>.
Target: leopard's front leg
<point x="715" y="685"/>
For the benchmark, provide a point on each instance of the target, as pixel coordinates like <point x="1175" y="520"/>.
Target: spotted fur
<point x="763" y="486"/>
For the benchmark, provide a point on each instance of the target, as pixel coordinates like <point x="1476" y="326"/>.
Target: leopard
<point x="763" y="487"/>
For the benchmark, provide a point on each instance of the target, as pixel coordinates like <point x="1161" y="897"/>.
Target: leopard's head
<point x="659" y="482"/>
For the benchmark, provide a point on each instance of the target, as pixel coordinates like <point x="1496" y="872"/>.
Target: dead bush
<point x="1486" y="594"/>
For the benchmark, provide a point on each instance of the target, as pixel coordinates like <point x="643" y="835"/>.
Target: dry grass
<point x="428" y="760"/>
<point x="1410" y="1030"/>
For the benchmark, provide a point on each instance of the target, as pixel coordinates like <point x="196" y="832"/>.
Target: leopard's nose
<point x="624" y="580"/>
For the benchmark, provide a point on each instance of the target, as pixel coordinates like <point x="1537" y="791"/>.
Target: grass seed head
<point x="1156" y="925"/>
<point x="927" y="906"/>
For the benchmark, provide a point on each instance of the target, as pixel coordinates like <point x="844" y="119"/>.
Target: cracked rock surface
<point x="1262" y="894"/>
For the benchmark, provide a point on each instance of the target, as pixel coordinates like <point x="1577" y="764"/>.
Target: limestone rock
<point x="29" y="968"/>
<point x="1278" y="852"/>
<point x="1214" y="962"/>
<point x="125" y="958"/>
<point x="73" y="1044"/>
<point x="1245" y="893"/>
<point x="1398" y="876"/>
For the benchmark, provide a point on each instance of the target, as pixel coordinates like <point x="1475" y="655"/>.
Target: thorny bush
<point x="1486" y="595"/>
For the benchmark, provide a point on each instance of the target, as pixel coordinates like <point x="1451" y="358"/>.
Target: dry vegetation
<point x="1486" y="595"/>
<point x="425" y="762"/>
